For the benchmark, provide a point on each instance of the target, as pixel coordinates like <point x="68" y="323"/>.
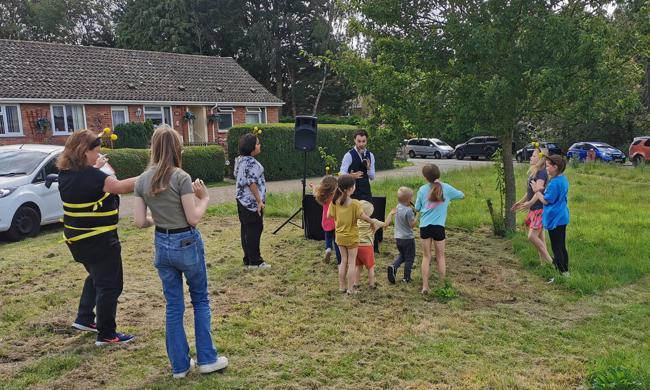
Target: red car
<point x="640" y="150"/>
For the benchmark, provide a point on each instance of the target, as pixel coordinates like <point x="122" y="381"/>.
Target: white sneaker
<point x="550" y="281"/>
<point x="220" y="364"/>
<point x="183" y="374"/>
<point x="566" y="274"/>
<point x="328" y="254"/>
<point x="262" y="265"/>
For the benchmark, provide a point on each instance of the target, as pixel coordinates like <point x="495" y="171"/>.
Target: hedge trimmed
<point x="203" y="162"/>
<point x="133" y="135"/>
<point x="281" y="160"/>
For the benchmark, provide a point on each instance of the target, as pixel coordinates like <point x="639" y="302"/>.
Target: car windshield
<point x="19" y="162"/>
<point x="604" y="146"/>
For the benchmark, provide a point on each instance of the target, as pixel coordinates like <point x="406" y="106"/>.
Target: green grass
<point x="499" y="327"/>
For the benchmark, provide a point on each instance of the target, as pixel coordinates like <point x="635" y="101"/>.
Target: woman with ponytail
<point x="432" y="203"/>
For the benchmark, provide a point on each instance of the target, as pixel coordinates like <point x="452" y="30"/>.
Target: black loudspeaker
<point x="305" y="133"/>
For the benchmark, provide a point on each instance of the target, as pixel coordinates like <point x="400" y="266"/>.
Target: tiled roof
<point x="36" y="70"/>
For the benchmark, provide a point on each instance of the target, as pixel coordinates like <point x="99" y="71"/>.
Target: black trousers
<point x="252" y="226"/>
<point x="406" y="249"/>
<point x="101" y="289"/>
<point x="558" y="244"/>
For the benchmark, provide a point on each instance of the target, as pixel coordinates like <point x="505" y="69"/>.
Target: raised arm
<point x="194" y="205"/>
<point x="114" y="186"/>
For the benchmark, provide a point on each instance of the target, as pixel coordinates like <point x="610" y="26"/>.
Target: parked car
<point x="26" y="202"/>
<point x="602" y="151"/>
<point x="524" y="153"/>
<point x="476" y="147"/>
<point x="639" y="152"/>
<point x="428" y="147"/>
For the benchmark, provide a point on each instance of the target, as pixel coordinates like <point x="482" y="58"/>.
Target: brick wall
<point x="272" y="114"/>
<point x="98" y="117"/>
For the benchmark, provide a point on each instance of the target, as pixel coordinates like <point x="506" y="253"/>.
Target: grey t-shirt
<point x="166" y="207"/>
<point x="403" y="219"/>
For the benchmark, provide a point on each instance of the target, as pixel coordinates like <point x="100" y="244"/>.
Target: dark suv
<point x="477" y="147"/>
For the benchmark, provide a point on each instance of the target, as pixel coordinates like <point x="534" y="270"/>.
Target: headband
<point x="96" y="142"/>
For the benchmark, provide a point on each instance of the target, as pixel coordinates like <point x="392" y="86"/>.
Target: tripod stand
<point x="302" y="202"/>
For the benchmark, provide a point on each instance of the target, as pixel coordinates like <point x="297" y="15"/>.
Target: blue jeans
<point x="330" y="237"/>
<point x="177" y="255"/>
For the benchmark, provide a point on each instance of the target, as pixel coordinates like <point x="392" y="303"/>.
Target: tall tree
<point x="487" y="65"/>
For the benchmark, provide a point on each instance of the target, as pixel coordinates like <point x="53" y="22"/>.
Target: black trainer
<point x="391" y="274"/>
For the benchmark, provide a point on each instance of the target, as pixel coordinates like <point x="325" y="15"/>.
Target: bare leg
<point x="539" y="244"/>
<point x="426" y="262"/>
<point x="357" y="275"/>
<point x="371" y="277"/>
<point x="352" y="259"/>
<point x="440" y="259"/>
<point x="343" y="267"/>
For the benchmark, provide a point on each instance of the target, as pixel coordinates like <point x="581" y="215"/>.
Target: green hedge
<point x="281" y="161"/>
<point x="133" y="135"/>
<point x="204" y="162"/>
<point x="328" y="119"/>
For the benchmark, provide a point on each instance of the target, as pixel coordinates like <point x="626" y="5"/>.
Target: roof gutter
<point x="139" y="102"/>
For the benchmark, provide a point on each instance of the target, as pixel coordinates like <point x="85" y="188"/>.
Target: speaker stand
<point x="304" y="184"/>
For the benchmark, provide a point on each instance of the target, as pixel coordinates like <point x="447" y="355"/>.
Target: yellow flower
<point x="107" y="130"/>
<point x="113" y="137"/>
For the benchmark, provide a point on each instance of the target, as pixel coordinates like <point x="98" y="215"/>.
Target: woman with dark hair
<point x="90" y="215"/>
<point x="555" y="217"/>
<point x="251" y="196"/>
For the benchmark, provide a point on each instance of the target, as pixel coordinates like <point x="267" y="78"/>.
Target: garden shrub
<point x="133" y="135"/>
<point x="203" y="162"/>
<point x="281" y="160"/>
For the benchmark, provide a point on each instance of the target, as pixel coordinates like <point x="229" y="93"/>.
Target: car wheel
<point x="474" y="158"/>
<point x="25" y="223"/>
<point x="411" y="154"/>
<point x="520" y="158"/>
<point x="460" y="155"/>
<point x="436" y="155"/>
<point x="638" y="160"/>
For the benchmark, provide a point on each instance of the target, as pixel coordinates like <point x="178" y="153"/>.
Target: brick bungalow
<point x="48" y="90"/>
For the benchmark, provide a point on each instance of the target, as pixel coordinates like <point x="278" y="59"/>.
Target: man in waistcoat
<point x="360" y="163"/>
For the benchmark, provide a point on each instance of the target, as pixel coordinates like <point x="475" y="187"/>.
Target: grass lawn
<point x="289" y="328"/>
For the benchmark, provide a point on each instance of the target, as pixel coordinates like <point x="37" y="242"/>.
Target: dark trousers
<point x="558" y="244"/>
<point x="330" y="242"/>
<point x="406" y="249"/>
<point x="100" y="292"/>
<point x="252" y="226"/>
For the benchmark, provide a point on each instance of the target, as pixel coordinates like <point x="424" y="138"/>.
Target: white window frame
<point x="3" y="112"/>
<point x="124" y="109"/>
<point x="226" y="111"/>
<point x="162" y="113"/>
<point x="260" y="111"/>
<point x="65" y="118"/>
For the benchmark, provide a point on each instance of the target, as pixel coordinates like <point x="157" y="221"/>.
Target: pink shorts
<point x="534" y="219"/>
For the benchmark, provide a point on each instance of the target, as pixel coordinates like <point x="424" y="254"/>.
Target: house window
<point x="225" y="117"/>
<point x="120" y="115"/>
<point x="158" y="115"/>
<point x="68" y="118"/>
<point x="255" y="115"/>
<point x="10" y="122"/>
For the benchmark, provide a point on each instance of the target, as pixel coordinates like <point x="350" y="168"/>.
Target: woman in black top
<point x="90" y="220"/>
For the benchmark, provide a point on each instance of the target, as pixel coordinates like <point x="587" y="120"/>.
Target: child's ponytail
<point x="436" y="195"/>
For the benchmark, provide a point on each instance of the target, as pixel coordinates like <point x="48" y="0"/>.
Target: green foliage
<point x="204" y="162"/>
<point x="445" y="293"/>
<point x="133" y="135"/>
<point x="616" y="378"/>
<point x="329" y="160"/>
<point x="127" y="162"/>
<point x="282" y="161"/>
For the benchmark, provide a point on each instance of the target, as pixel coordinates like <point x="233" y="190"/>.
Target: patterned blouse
<point x="248" y="171"/>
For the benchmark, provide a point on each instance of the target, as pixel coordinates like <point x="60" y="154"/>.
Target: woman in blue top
<point x="432" y="203"/>
<point x="556" y="212"/>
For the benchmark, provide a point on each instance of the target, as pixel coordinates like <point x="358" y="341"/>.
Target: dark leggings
<point x="252" y="225"/>
<point x="558" y="243"/>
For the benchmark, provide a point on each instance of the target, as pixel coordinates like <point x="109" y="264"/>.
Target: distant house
<point x="47" y="91"/>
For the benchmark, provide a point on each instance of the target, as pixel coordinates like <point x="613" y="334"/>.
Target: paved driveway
<point x="227" y="193"/>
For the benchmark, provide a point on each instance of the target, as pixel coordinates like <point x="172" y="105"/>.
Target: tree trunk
<point x="320" y="90"/>
<point x="509" y="172"/>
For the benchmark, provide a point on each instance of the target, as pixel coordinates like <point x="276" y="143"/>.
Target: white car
<point x="428" y="147"/>
<point x="26" y="202"/>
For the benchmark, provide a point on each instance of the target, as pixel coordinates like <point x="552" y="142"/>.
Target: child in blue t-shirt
<point x="432" y="202"/>
<point x="556" y="211"/>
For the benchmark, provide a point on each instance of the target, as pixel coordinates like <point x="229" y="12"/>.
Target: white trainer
<point x="220" y="364"/>
<point x="183" y="374"/>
